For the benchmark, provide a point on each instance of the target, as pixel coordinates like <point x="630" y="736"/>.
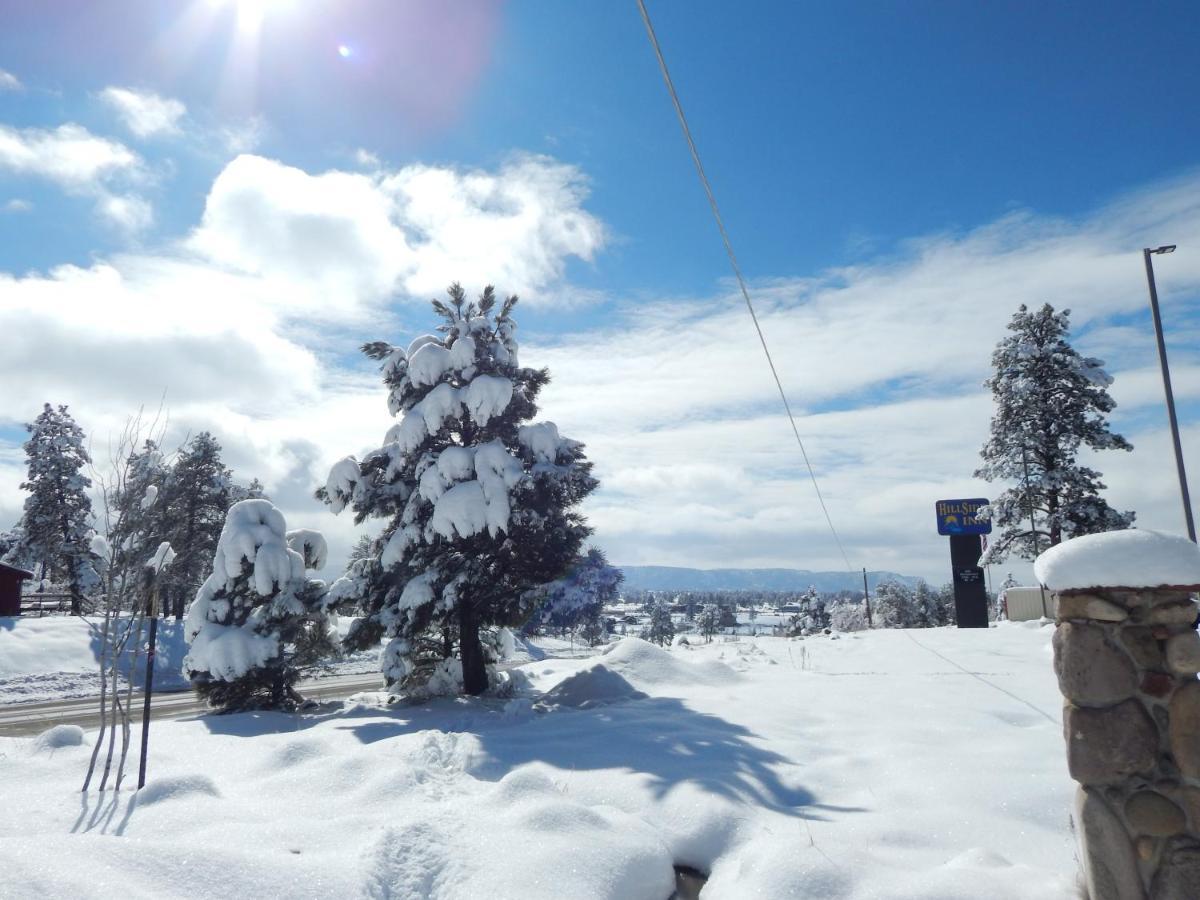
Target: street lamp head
<point x="1165" y="248"/>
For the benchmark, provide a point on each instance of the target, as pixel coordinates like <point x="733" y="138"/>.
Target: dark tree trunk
<point x="474" y="669"/>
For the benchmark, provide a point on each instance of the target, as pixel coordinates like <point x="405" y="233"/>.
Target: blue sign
<point x="959" y="517"/>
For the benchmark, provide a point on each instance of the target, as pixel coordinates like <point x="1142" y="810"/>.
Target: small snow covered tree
<point x="893" y="606"/>
<point x="660" y="629"/>
<point x="258" y="621"/>
<point x="480" y="507"/>
<point x="578" y="596"/>
<point x="193" y="505"/>
<point x="57" y="522"/>
<point x="813" y="612"/>
<point x="1050" y="402"/>
<point x="709" y="621"/>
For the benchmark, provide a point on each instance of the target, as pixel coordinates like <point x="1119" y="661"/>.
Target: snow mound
<point x="178" y="787"/>
<point x="646" y="665"/>
<point x="597" y="686"/>
<point x="57" y="737"/>
<point x="1131" y="558"/>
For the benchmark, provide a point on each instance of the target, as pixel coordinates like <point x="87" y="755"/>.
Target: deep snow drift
<point x="923" y="764"/>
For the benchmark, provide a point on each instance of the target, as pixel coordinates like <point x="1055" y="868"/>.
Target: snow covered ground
<point x="899" y="764"/>
<point x="57" y="658"/>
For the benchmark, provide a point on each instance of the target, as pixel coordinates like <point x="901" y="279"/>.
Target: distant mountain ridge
<point x="671" y="578"/>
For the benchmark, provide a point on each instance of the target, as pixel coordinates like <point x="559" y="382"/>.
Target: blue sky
<point x="896" y="179"/>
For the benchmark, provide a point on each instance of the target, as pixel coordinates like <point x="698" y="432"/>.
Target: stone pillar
<point x="1126" y="661"/>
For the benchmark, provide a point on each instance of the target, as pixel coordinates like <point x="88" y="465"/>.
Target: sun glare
<point x="250" y="13"/>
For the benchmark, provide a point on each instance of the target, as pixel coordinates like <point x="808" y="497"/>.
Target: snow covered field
<point x="899" y="764"/>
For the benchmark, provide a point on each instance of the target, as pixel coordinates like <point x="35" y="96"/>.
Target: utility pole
<point x="1166" y="376"/>
<point x="867" y="598"/>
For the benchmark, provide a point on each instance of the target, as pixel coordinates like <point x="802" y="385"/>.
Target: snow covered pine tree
<point x="661" y="627"/>
<point x="480" y="507"/>
<point x="57" y="522"/>
<point x="1050" y="401"/>
<point x="258" y="621"/>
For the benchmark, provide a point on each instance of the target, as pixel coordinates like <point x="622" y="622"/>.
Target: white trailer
<point x="1024" y="603"/>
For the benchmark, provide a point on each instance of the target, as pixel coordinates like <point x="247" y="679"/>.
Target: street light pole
<point x="1166" y="374"/>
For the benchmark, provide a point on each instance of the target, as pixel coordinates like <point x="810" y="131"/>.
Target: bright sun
<point x="250" y="13"/>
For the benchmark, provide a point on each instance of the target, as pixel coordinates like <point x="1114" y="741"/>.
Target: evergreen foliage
<point x="709" y="621"/>
<point x="56" y="525"/>
<point x="660" y="629"/>
<point x="1050" y="403"/>
<point x="258" y="622"/>
<point x="190" y="513"/>
<point x="480" y="507"/>
<point x="579" y="596"/>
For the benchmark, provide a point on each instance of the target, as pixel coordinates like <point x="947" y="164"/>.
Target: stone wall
<point x="1126" y="662"/>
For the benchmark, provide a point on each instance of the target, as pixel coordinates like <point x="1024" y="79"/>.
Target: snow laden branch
<point x="479" y="502"/>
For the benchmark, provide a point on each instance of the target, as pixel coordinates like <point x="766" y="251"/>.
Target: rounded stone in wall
<point x="1149" y="812"/>
<point x="1106" y="746"/>
<point x="1109" y="863"/>
<point x="1183" y="653"/>
<point x="1090" y="670"/>
<point x="1185" y="729"/>
<point x="1178" y="875"/>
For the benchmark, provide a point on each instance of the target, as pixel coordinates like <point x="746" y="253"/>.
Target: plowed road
<point x="33" y="718"/>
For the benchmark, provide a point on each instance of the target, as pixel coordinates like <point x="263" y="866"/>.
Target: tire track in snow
<point x="991" y="684"/>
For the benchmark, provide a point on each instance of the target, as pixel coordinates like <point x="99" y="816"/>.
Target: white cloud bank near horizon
<point x="245" y="324"/>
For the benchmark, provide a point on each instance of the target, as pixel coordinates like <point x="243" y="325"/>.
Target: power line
<point x="737" y="270"/>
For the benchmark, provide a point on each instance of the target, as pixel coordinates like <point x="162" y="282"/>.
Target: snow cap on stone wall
<point x="1130" y="558"/>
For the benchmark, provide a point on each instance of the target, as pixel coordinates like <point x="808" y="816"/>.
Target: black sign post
<point x="958" y="519"/>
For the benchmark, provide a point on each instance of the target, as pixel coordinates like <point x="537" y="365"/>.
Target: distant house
<point x="10" y="589"/>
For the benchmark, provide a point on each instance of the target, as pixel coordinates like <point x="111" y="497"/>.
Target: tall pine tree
<point x="136" y="523"/>
<point x="480" y="506"/>
<point x="1050" y="403"/>
<point x="57" y="522"/>
<point x="195" y="499"/>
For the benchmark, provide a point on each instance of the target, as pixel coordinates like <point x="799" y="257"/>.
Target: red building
<point x="10" y="589"/>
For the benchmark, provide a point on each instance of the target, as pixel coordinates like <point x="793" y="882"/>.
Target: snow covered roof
<point x="1131" y="558"/>
<point x="7" y="568"/>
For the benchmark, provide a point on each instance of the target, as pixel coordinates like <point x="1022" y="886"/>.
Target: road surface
<point x="24" y="719"/>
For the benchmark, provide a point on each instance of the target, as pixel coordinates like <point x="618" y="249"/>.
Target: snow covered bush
<point x="258" y="621"/>
<point x="848" y="615"/>
<point x="479" y="505"/>
<point x="1050" y="403"/>
<point x="893" y="606"/>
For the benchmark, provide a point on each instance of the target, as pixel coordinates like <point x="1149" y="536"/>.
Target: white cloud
<point x="414" y="230"/>
<point x="244" y="136"/>
<point x="69" y="155"/>
<point x="10" y="82"/>
<point x="81" y="163"/>
<point x="17" y="205"/>
<point x="367" y="159"/>
<point x="145" y="113"/>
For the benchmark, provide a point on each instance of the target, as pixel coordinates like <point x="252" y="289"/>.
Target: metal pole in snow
<point x="149" y="683"/>
<point x="867" y="597"/>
